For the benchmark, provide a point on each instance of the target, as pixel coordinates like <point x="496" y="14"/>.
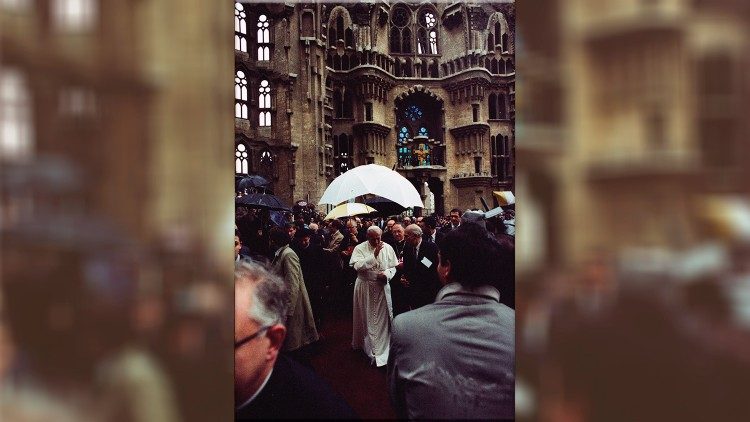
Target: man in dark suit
<point x="267" y="384"/>
<point x="399" y="297"/>
<point x="314" y="263"/>
<point x="455" y="221"/>
<point x="420" y="268"/>
<point x="431" y="233"/>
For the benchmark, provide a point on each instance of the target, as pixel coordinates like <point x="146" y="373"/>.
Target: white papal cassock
<point x="371" y="325"/>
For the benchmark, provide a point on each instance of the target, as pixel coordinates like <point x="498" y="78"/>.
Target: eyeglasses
<point x="250" y="338"/>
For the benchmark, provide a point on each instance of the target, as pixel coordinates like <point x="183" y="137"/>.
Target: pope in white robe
<point x="375" y="262"/>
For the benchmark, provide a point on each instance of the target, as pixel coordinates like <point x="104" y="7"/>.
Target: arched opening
<point x="434" y="69"/>
<point x="338" y="104"/>
<point x="406" y="41"/>
<point x="340" y="27"/>
<point x="348" y="111"/>
<point x="419" y="114"/>
<point x="308" y="28"/>
<point x="331" y="36"/>
<point x="349" y="37"/>
<point x="395" y="40"/>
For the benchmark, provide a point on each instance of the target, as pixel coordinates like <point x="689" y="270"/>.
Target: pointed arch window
<point x="404" y="156"/>
<point x="264" y="38"/>
<point x="240" y="28"/>
<point x="343" y="149"/>
<point x="340" y="27"/>
<point x="406" y="40"/>
<point x="338" y="104"/>
<point x="400" y="35"/>
<point x="264" y="103"/>
<point x="395" y="40"/>
<point x="348" y="109"/>
<point x="427" y="32"/>
<point x="498" y="106"/>
<point x="240" y="95"/>
<point x="241" y="159"/>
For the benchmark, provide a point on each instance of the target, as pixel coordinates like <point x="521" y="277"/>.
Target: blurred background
<point x="633" y="245"/>
<point x="116" y="210"/>
<point x="116" y="178"/>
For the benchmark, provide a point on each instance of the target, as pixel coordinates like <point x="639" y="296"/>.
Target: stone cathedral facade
<point x="425" y="88"/>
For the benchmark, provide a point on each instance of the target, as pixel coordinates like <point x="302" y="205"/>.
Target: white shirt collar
<point x="262" y="386"/>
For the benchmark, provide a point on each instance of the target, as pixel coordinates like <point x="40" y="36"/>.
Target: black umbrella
<point x="253" y="181"/>
<point x="384" y="206"/>
<point x="261" y="200"/>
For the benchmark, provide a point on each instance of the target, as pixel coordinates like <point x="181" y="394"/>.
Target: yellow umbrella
<point x="348" y="209"/>
<point x="504" y="197"/>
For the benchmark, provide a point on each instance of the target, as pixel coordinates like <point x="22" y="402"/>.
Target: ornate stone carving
<point x="478" y="18"/>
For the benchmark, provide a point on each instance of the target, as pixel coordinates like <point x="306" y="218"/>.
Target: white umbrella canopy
<point x="348" y="209"/>
<point x="372" y="179"/>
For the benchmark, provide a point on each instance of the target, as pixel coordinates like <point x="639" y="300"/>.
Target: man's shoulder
<point x="294" y="391"/>
<point x="415" y="319"/>
<point x="429" y="246"/>
<point x="309" y="389"/>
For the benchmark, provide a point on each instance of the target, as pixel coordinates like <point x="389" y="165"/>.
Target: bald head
<point x="413" y="229"/>
<point x="413" y="234"/>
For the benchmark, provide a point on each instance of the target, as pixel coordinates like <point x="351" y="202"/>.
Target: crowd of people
<point x="431" y="301"/>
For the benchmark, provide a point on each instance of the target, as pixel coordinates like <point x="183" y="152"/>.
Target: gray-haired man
<point x="267" y="384"/>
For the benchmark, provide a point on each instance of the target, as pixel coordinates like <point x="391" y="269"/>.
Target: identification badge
<point x="426" y="262"/>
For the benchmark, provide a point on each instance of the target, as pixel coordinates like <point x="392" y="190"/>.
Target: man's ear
<point x="276" y="335"/>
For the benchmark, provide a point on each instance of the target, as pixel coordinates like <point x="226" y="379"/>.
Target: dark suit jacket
<point x="423" y="281"/>
<point x="438" y="237"/>
<point x="295" y="392"/>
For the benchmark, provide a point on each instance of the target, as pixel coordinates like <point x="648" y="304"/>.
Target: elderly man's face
<point x="305" y="241"/>
<point x="389" y="224"/>
<point x="374" y="238"/>
<point x="251" y="357"/>
<point x="455" y="218"/>
<point x="412" y="239"/>
<point x="398" y="232"/>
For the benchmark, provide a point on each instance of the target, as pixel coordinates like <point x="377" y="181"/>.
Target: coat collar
<point x="456" y="289"/>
